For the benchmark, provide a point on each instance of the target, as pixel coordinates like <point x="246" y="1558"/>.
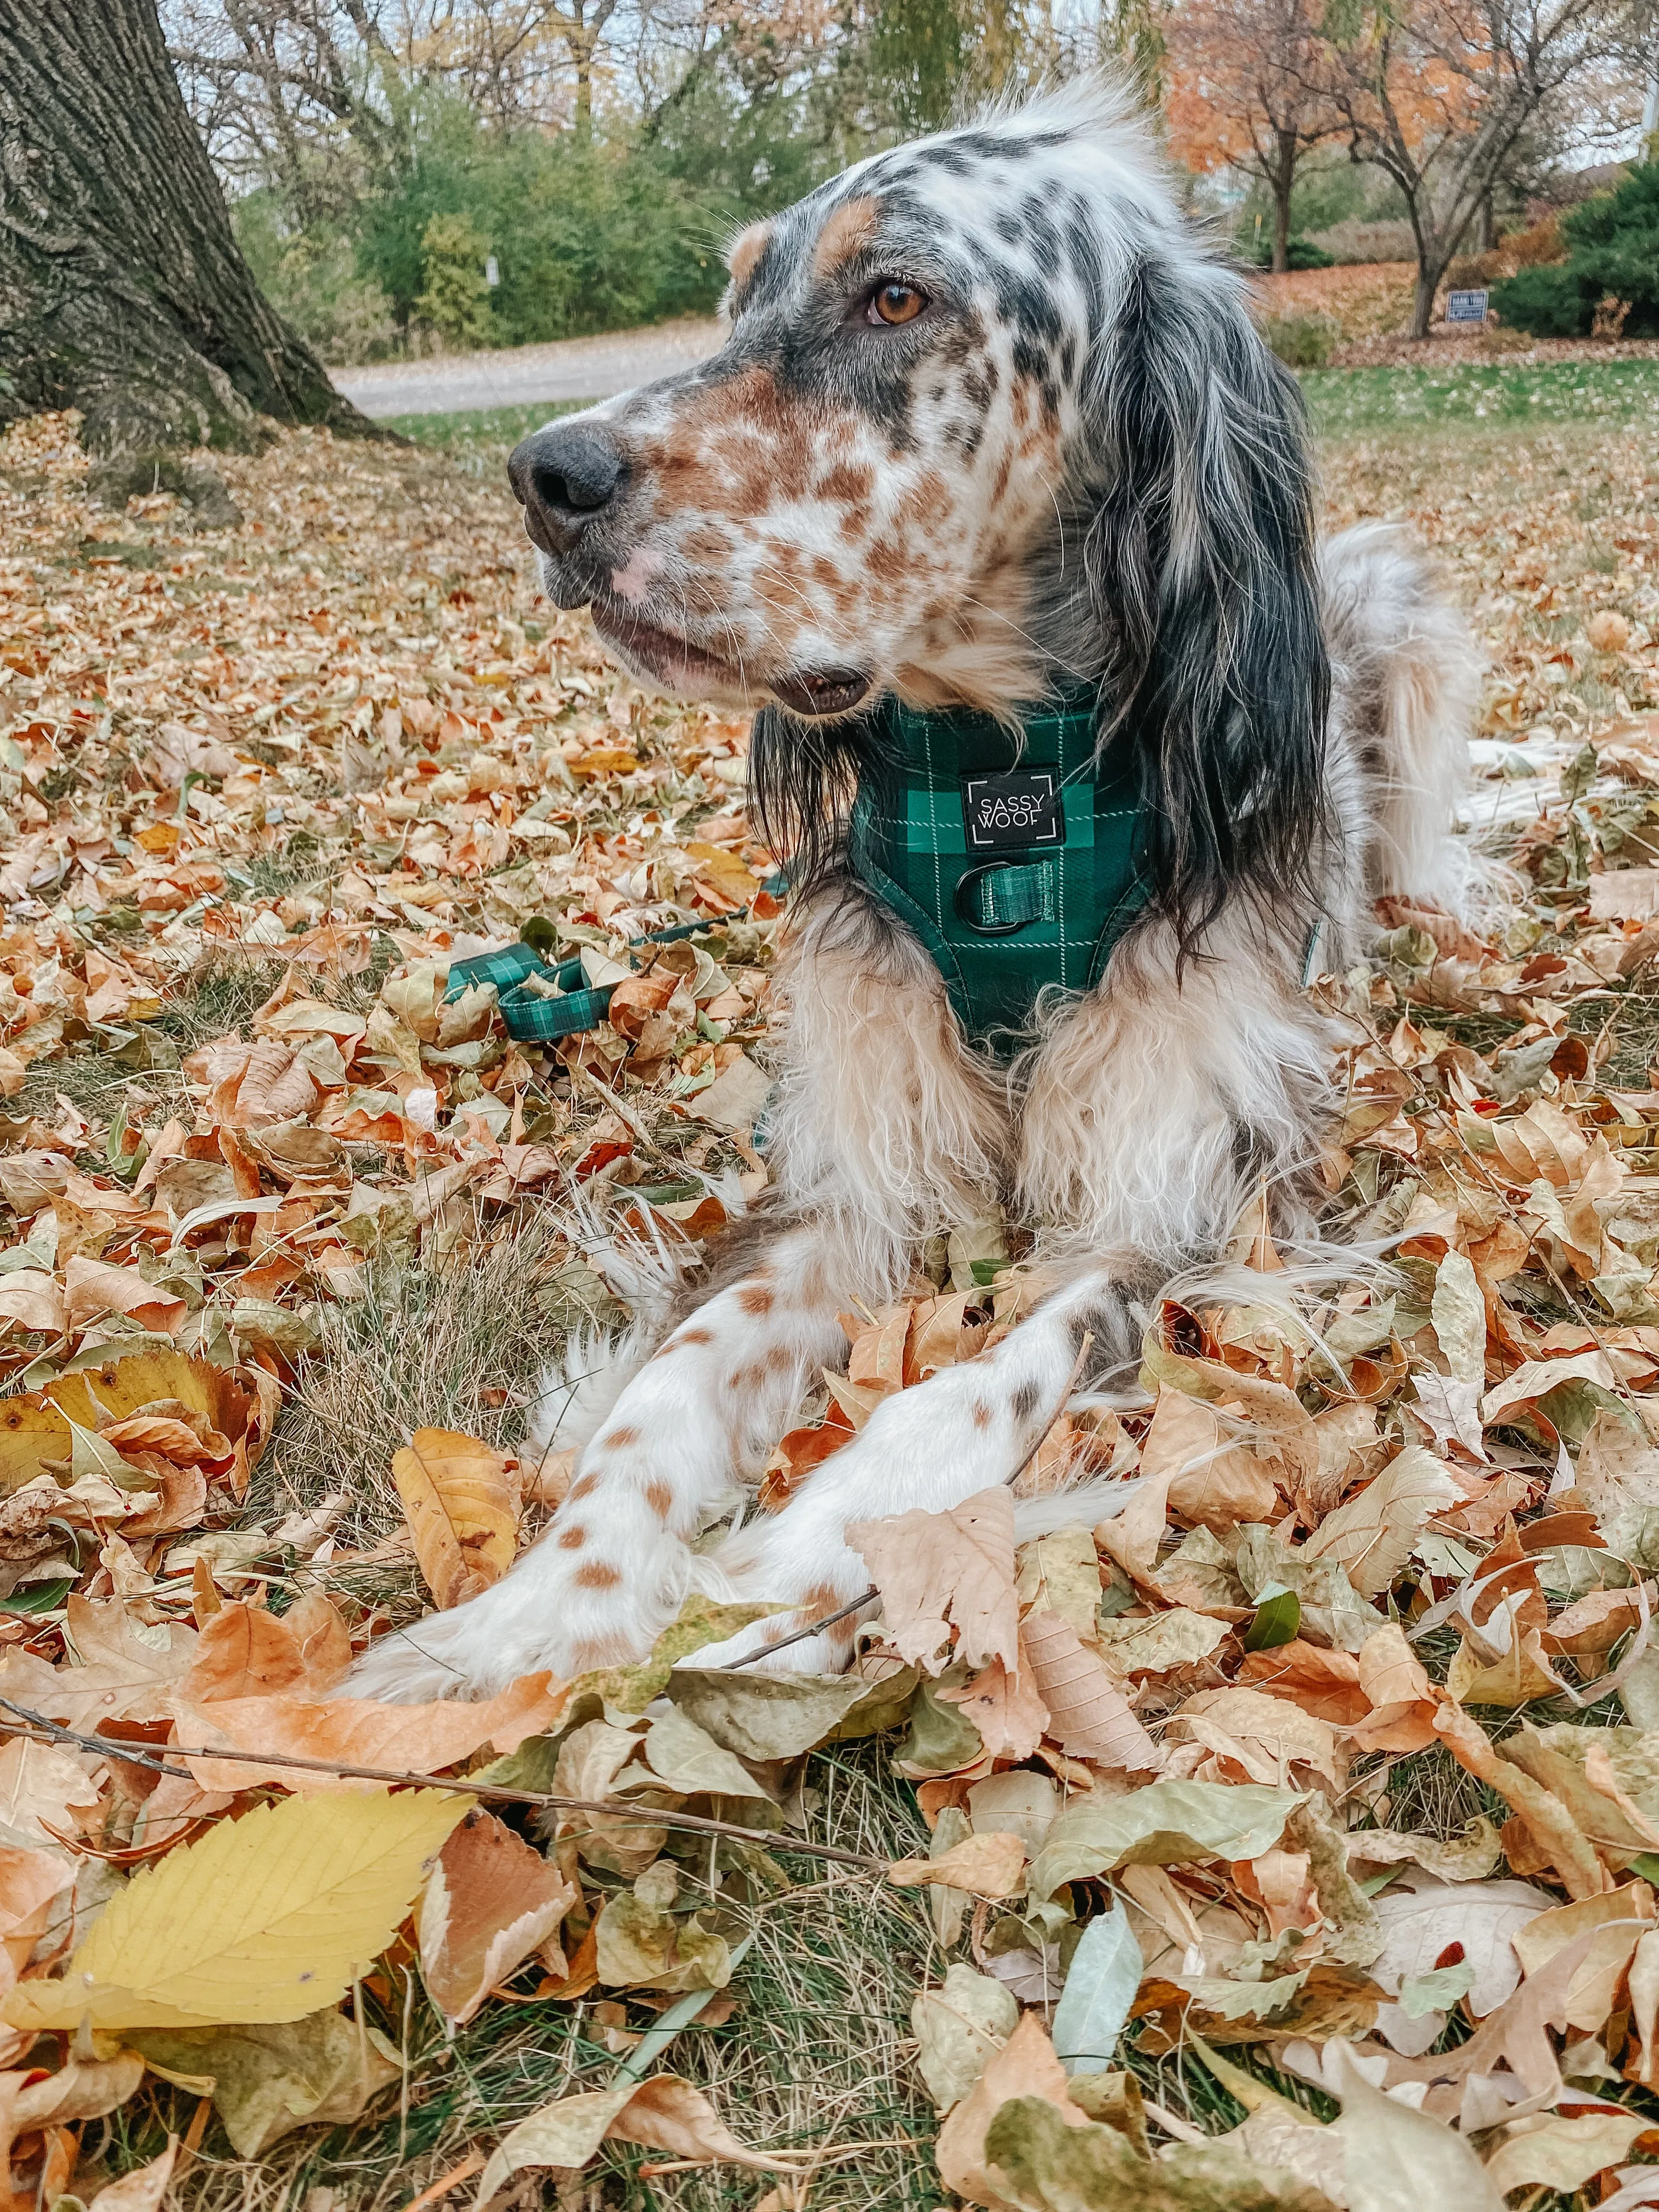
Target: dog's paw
<point x="543" y="1616"/>
<point x="472" y="1652"/>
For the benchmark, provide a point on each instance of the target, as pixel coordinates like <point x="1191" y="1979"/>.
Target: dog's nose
<point x="565" y="476"/>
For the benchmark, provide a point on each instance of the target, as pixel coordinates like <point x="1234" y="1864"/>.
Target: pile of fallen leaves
<point x="1330" y="1559"/>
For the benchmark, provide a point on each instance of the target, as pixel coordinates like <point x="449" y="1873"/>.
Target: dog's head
<point x="988" y="418"/>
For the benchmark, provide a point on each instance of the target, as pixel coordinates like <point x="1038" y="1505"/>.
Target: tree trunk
<point x="1284" y="179"/>
<point x="1428" y="284"/>
<point x="123" y="291"/>
<point x="582" y="43"/>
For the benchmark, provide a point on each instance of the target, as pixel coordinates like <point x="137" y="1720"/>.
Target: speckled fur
<point x="1078" y="462"/>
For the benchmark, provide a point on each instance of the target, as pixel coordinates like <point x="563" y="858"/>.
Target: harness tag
<point x="1011" y="812"/>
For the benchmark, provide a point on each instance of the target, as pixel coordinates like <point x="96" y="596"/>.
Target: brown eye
<point x="897" y="303"/>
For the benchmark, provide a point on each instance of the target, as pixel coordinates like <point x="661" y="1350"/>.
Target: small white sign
<point x="1465" y="308"/>
<point x="493" y="275"/>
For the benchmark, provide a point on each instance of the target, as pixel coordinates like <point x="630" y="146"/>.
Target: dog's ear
<point x="1201" y="576"/>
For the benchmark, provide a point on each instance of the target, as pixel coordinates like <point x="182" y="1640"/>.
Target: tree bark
<point x="123" y="291"/>
<point x="1284" y="183"/>
<point x="1428" y="284"/>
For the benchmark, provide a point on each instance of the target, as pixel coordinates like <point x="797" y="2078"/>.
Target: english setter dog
<point x="993" y="456"/>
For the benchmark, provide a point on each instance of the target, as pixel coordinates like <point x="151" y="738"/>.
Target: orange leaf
<point x="462" y="1512"/>
<point x="489" y="1902"/>
<point x="1089" y="1714"/>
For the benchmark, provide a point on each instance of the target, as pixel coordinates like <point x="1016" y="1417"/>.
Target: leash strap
<point x="1004" y="897"/>
<point x="534" y="1015"/>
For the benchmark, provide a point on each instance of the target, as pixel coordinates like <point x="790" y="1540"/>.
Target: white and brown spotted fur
<point x="1073" y="460"/>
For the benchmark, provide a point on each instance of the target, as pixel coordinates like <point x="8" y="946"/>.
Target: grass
<point x="1340" y="401"/>
<point x="1356" y="400"/>
<point x="472" y="433"/>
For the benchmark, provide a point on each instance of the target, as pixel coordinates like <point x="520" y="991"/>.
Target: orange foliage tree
<point x="1245" y="90"/>
<point x="1437" y="93"/>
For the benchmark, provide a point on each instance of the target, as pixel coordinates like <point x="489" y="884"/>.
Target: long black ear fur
<point x="1199" y="560"/>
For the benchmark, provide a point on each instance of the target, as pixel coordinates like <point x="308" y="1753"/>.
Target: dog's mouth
<point x="678" y="666"/>
<point x="818" y="691"/>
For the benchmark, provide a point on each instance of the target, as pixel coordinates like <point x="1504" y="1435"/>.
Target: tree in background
<point x="124" y="293"/>
<point x="1438" y="94"/>
<point x="1246" y="89"/>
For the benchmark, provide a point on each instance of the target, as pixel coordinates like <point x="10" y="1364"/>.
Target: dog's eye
<point x="894" y="302"/>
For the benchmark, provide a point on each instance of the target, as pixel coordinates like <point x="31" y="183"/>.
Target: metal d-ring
<point x="964" y="884"/>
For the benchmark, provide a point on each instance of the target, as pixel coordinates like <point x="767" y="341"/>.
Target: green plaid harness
<point x="1016" y="873"/>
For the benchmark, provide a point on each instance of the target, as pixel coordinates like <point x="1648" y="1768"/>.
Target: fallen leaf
<point x="1088" y="1715"/>
<point x="1562" y="2152"/>
<point x="959" y="2029"/>
<point x="665" y="2112"/>
<point x="270" y="2079"/>
<point x="267" y="1918"/>
<point x="355" y="1732"/>
<point x="1162" y="1824"/>
<point x="1400" y="2160"/>
<point x="462" y="1512"/>
<point x="490" y="1901"/>
<point x="1026" y="2067"/>
<point x="1101" y="1984"/>
<point x="935" y="1569"/>
<point x="1372" y="1533"/>
<point x="985" y="1866"/>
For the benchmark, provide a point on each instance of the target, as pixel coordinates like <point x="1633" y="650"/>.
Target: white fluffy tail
<point x="1413" y="675"/>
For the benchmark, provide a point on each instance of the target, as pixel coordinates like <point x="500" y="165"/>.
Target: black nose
<point x="565" y="476"/>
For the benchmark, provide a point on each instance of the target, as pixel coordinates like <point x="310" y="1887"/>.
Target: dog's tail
<point x="1413" y="674"/>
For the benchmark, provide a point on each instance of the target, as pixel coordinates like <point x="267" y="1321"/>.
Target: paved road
<point x="574" y="368"/>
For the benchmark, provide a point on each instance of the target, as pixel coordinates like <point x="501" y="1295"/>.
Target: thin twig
<point x="50" y="1731"/>
<point x="1083" y="1352"/>
<point x="799" y="1635"/>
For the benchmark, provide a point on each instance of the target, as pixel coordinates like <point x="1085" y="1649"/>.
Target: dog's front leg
<point x="965" y="1429"/>
<point x="613" y="1567"/>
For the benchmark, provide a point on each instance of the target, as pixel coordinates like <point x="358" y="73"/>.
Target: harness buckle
<point x="979" y="903"/>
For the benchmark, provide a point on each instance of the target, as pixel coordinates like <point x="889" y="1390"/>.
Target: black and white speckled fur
<point x="1076" y="459"/>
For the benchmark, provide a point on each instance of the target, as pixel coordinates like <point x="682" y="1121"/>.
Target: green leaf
<point x="1165" y="1824"/>
<point x="942" y="1737"/>
<point x="1438" y="1991"/>
<point x="39" y="1597"/>
<point x="1278" y="1620"/>
<point x="1051" y="2168"/>
<point x="1100" y="1987"/>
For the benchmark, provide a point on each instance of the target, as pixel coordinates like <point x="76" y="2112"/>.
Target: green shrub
<point x="1300" y="341"/>
<point x="1549" y="303"/>
<point x="1300" y="253"/>
<point x="454" y="297"/>
<point x="1613" y="253"/>
<point x="310" y="278"/>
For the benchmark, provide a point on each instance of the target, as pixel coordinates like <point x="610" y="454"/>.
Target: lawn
<point x="481" y="434"/>
<point x="263" y="785"/>
<point x="1346" y="402"/>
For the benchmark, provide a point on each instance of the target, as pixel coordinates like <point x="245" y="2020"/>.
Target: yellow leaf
<point x="992" y="1865"/>
<point x="266" y="1918"/>
<point x="724" y="870"/>
<point x="462" y="1512"/>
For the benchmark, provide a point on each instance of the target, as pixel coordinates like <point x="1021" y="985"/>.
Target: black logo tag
<point x="1005" y="812"/>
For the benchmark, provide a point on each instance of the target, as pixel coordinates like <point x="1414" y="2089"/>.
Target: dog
<point x="993" y="438"/>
